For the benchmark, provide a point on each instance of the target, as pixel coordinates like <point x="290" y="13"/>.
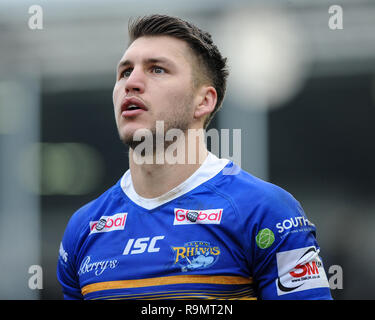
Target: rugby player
<point x="192" y="225"/>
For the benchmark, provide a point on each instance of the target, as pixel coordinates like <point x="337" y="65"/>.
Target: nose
<point x="135" y="82"/>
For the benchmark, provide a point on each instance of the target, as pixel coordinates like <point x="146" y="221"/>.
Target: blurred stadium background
<point x="303" y="95"/>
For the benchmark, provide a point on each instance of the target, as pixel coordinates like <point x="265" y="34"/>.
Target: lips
<point x="132" y="107"/>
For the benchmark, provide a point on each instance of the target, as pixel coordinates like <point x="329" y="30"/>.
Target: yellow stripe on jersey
<point x="160" y="281"/>
<point x="236" y="294"/>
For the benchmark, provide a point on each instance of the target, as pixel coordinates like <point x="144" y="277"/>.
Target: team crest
<point x="196" y="255"/>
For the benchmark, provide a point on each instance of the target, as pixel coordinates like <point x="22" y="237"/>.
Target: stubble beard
<point x="180" y="119"/>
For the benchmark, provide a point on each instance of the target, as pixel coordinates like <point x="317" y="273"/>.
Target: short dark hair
<point x="209" y="58"/>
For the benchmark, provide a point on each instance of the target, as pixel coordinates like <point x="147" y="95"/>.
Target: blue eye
<point x="126" y="73"/>
<point x="158" y="70"/>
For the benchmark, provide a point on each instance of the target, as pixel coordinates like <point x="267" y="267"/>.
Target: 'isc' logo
<point x="137" y="246"/>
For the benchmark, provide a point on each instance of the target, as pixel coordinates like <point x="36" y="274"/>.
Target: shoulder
<point x="254" y="196"/>
<point x="79" y="222"/>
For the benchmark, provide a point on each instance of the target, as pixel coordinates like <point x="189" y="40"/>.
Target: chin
<point x="127" y="136"/>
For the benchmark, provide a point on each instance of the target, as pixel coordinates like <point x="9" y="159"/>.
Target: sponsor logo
<point x="192" y="216"/>
<point x="295" y="223"/>
<point x="101" y="224"/>
<point x="187" y="216"/>
<point x="63" y="254"/>
<point x="196" y="255"/>
<point x="265" y="238"/>
<point x="137" y="246"/>
<point x="98" y="267"/>
<point x="108" y="223"/>
<point x="300" y="269"/>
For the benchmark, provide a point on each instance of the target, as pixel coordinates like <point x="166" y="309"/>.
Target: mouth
<point x="132" y="107"/>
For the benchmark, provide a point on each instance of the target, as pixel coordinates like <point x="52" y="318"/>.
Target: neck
<point x="165" y="169"/>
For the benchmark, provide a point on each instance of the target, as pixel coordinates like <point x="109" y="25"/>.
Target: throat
<point x="153" y="180"/>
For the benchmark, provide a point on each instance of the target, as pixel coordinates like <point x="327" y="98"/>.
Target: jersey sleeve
<point x="286" y="255"/>
<point x="66" y="265"/>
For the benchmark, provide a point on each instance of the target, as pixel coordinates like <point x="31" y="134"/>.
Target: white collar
<point x="209" y="168"/>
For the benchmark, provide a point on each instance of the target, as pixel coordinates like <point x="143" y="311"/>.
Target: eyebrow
<point x="163" y="60"/>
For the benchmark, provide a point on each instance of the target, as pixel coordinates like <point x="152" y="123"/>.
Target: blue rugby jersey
<point x="221" y="234"/>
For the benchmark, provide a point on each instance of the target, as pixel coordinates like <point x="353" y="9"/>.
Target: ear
<point x="207" y="98"/>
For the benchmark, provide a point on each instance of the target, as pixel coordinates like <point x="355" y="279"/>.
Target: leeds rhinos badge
<point x="195" y="255"/>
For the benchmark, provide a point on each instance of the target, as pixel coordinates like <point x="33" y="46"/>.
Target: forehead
<point x="149" y="47"/>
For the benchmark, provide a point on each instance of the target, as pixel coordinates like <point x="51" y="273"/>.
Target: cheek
<point x="116" y="95"/>
<point x="178" y="97"/>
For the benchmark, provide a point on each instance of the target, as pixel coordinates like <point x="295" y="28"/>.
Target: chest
<point x="171" y="241"/>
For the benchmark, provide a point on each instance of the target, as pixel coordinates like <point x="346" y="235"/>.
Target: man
<point x="182" y="223"/>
